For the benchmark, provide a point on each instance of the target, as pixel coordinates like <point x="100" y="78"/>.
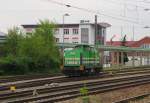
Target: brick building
<point x="142" y="43"/>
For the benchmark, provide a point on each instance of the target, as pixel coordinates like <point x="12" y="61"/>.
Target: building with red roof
<point x="118" y="43"/>
<point x="143" y="43"/>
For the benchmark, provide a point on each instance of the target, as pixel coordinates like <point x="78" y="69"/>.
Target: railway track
<point x="31" y="83"/>
<point x="60" y="79"/>
<point x="71" y="89"/>
<point x="6" y="79"/>
<point x="25" y="84"/>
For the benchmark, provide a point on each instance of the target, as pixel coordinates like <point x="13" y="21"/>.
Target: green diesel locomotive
<point x="81" y="60"/>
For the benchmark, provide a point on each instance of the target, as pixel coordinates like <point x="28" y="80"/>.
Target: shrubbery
<point x="30" y="53"/>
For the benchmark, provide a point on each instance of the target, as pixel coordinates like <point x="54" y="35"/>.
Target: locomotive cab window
<point x="76" y="47"/>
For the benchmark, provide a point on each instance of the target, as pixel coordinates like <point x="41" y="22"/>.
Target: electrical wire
<point x="144" y="1"/>
<point x="92" y="11"/>
<point x="134" y="5"/>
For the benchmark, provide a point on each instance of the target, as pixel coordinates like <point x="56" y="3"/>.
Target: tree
<point x="123" y="42"/>
<point x="40" y="48"/>
<point x="13" y="38"/>
<point x="8" y="61"/>
<point x="31" y="53"/>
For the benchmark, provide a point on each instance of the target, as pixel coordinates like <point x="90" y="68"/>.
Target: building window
<point x="56" y="31"/>
<point x="145" y="46"/>
<point x="75" y="31"/>
<point x="66" y="40"/>
<point x="103" y="32"/>
<point x="75" y="40"/>
<point x="57" y="40"/>
<point x="29" y="30"/>
<point x="84" y="35"/>
<point x="66" y="31"/>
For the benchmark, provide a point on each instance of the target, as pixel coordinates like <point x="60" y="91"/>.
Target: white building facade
<point x="82" y="33"/>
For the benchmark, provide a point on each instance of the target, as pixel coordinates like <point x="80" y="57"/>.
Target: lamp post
<point x="133" y="30"/>
<point x="146" y="9"/>
<point x="146" y="27"/>
<point x="66" y="14"/>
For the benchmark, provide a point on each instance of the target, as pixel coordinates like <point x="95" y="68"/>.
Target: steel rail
<point x="60" y="79"/>
<point x="5" y="79"/>
<point x="91" y="92"/>
<point x="110" y="83"/>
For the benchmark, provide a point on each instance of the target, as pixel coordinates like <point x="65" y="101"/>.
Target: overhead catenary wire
<point x="127" y="3"/>
<point x="144" y="1"/>
<point x="125" y="6"/>
<point x="147" y="2"/>
<point x="93" y="11"/>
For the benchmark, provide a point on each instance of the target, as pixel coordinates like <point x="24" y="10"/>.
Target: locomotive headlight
<point x="81" y="67"/>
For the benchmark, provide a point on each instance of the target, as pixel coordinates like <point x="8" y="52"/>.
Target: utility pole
<point x="96" y="29"/>
<point x="121" y="31"/>
<point x="133" y="32"/>
<point x="125" y="8"/>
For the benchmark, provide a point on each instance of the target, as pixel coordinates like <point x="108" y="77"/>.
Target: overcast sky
<point x="118" y="13"/>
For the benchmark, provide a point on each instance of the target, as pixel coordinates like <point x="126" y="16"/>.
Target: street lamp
<point x="146" y="27"/>
<point x="146" y="9"/>
<point x="66" y="14"/>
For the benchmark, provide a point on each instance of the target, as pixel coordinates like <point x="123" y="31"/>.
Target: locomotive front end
<point x="72" y="62"/>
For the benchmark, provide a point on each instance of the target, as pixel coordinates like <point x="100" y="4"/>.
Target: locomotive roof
<point x="83" y="45"/>
<point x="106" y="47"/>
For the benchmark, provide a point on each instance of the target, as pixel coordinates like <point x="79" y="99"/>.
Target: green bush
<point x="30" y="53"/>
<point x="11" y="65"/>
<point x="84" y="92"/>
